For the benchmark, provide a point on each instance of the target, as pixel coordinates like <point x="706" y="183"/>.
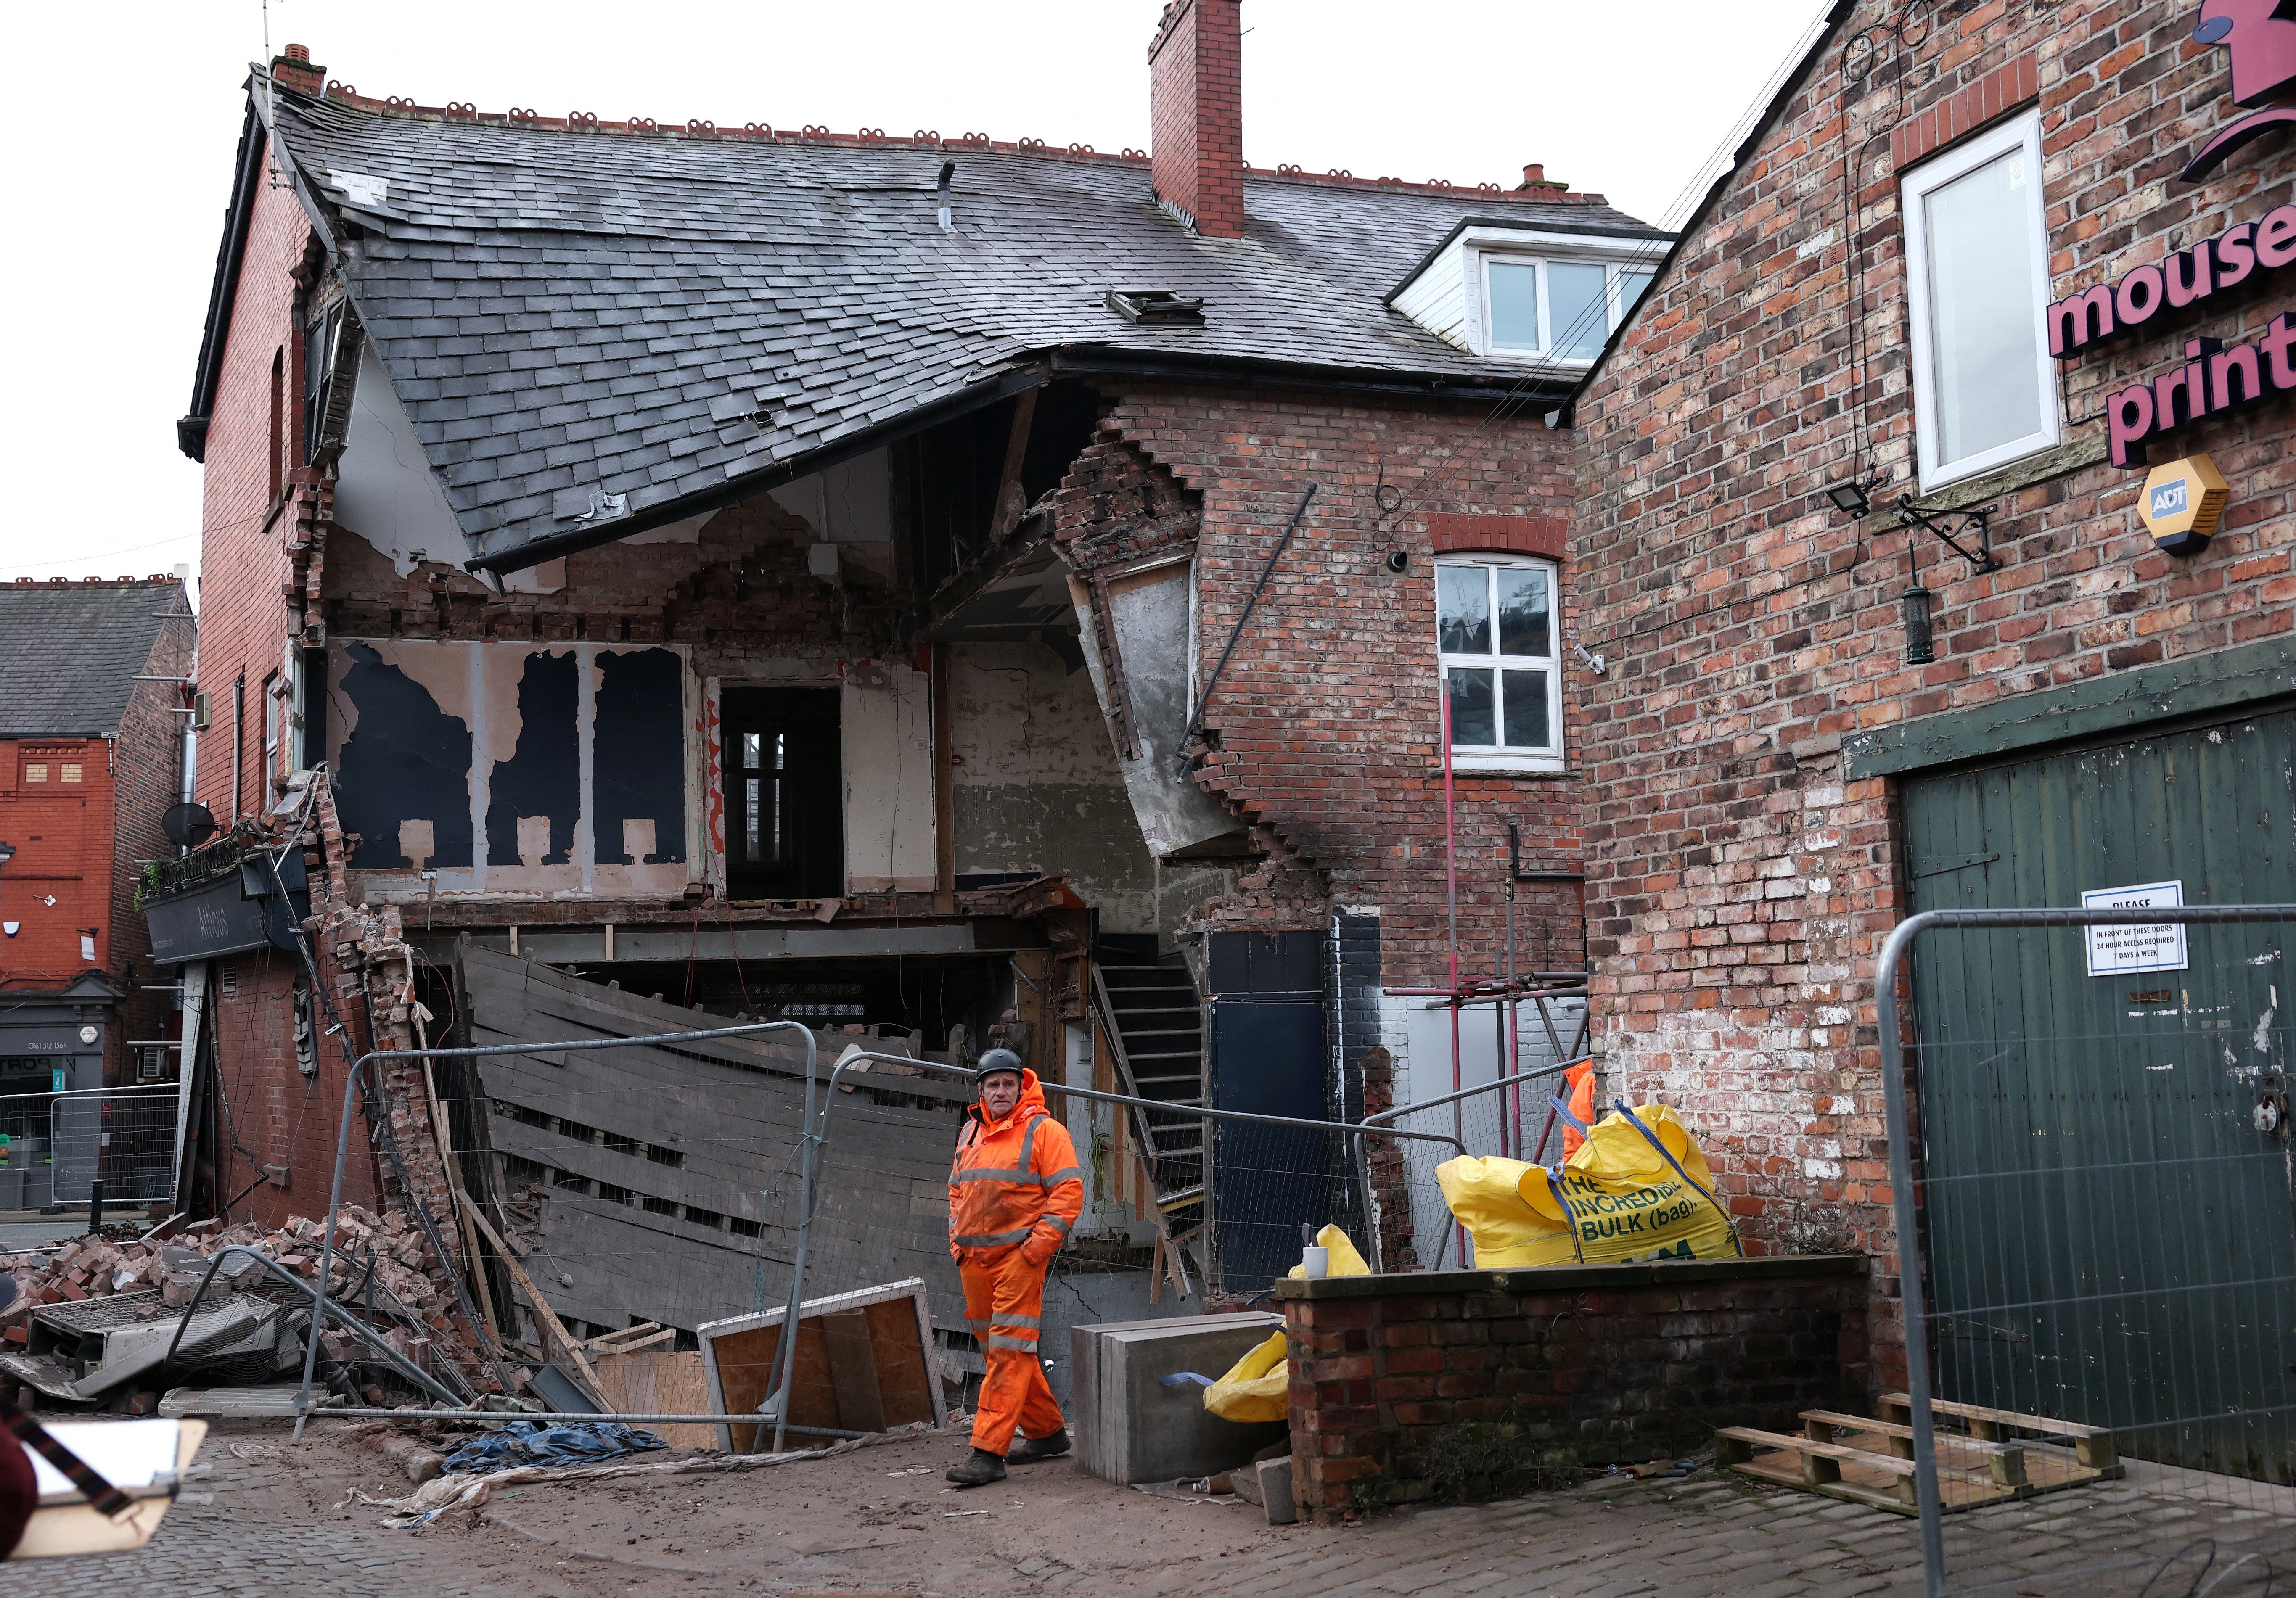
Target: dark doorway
<point x="784" y="819"/>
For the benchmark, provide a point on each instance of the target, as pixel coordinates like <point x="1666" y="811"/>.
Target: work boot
<point x="1029" y="1450"/>
<point x="980" y="1470"/>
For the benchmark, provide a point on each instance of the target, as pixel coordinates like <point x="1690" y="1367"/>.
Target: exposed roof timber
<point x="1566" y="413"/>
<point x="737" y="489"/>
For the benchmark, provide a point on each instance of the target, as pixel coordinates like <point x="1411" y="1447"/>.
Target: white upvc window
<point x="1554" y="308"/>
<point x="1977" y="257"/>
<point x="1499" y="625"/>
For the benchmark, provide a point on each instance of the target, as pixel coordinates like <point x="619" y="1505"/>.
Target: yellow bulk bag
<point x="1256" y="1387"/>
<point x="1638" y="1188"/>
<point x="1486" y="1196"/>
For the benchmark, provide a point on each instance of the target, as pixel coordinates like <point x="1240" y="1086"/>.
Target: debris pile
<point x="384" y="1271"/>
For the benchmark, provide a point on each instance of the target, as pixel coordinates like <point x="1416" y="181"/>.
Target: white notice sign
<point x="2115" y="950"/>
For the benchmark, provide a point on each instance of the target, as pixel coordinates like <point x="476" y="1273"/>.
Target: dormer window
<point x="1554" y="309"/>
<point x="1544" y="294"/>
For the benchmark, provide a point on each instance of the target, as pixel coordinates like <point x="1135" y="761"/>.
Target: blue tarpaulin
<point x="533" y="1443"/>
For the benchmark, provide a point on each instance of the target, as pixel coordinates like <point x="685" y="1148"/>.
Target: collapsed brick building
<point x="2015" y="277"/>
<point x="950" y="588"/>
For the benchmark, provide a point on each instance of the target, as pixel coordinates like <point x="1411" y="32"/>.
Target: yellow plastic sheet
<point x="1259" y="1386"/>
<point x="1617" y="1198"/>
<point x="1256" y="1387"/>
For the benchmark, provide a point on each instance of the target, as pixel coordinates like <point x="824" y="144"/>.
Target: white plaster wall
<point x="384" y="491"/>
<point x="1037" y="782"/>
<point x="885" y="714"/>
<point x="851" y="505"/>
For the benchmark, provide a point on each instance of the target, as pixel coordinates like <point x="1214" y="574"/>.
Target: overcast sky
<point x="116" y="209"/>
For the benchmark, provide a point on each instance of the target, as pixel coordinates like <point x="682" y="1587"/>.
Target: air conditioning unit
<point x="151" y="1064"/>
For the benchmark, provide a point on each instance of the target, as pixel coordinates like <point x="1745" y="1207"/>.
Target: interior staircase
<point x="1155" y="1017"/>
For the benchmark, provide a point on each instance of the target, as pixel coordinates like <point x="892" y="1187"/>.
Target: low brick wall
<point x="1411" y="1387"/>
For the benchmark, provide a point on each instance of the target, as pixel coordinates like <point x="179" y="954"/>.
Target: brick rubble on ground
<point x="405" y="1269"/>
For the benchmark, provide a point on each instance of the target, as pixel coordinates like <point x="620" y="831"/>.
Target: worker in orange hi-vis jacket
<point x="1014" y="1193"/>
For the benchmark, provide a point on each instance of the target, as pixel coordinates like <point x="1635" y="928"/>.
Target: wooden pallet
<point x="1871" y="1462"/>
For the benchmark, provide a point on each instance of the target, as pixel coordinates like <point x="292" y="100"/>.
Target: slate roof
<point x="69" y="652"/>
<point x="584" y="327"/>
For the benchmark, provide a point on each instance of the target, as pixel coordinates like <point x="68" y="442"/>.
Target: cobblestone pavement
<point x="271" y="1519"/>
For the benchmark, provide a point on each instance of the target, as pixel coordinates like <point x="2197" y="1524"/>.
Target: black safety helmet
<point x="998" y="1059"/>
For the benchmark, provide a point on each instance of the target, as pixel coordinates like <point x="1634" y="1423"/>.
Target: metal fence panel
<point x="2092" y="1162"/>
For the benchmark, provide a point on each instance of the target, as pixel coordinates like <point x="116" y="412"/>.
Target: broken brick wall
<point x="1324" y="724"/>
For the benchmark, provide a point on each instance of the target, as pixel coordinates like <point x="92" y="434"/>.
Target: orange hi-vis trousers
<point x="1003" y="1302"/>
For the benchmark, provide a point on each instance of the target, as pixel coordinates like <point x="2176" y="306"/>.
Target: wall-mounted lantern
<point x="1855" y="499"/>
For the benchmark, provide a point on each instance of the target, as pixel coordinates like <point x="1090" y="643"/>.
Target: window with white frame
<point x="1977" y="261"/>
<point x="1555" y="310"/>
<point x="1497" y="628"/>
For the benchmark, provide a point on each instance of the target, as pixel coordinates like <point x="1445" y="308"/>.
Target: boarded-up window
<point x="69" y="771"/>
<point x="36" y="771"/>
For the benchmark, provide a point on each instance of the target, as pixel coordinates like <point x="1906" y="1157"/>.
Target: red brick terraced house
<point x="940" y="588"/>
<point x="95" y="679"/>
<point x="1936" y="525"/>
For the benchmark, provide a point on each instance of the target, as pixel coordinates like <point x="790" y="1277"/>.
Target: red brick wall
<point x="1738" y="886"/>
<point x="62" y="833"/>
<point x="244" y="549"/>
<point x="1195" y="113"/>
<point x="1328" y="713"/>
<point x="1588" y="1363"/>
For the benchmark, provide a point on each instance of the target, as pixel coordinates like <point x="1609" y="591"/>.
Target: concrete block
<point x="1138" y="1430"/>
<point x="1272" y="1486"/>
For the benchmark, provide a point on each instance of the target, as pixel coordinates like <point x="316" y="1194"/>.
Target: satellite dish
<point x="188" y="826"/>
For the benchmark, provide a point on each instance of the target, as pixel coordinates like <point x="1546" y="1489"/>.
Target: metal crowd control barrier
<point x="1510" y="1110"/>
<point x="1353" y="1131"/>
<point x="342" y="1149"/>
<point x="2097" y="1243"/>
<point x="60" y="1144"/>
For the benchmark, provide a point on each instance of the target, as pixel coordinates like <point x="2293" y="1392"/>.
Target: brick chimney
<point x="1195" y="113"/>
<point x="293" y="71"/>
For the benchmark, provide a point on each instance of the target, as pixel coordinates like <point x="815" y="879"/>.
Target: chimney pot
<point x="1535" y="172"/>
<point x="293" y="70"/>
<point x="1196" y="113"/>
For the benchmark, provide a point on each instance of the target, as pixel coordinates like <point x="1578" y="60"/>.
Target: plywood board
<point x="864" y="1362"/>
<point x="661" y="1382"/>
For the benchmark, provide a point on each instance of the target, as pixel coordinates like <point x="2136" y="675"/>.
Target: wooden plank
<point x="740" y="1353"/>
<point x="2005" y="1461"/>
<point x="2095" y="1446"/>
<point x="543" y="1313"/>
<point x="659" y="1382"/>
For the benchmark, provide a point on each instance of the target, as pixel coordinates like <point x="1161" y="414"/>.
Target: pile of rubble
<point x="383" y="1270"/>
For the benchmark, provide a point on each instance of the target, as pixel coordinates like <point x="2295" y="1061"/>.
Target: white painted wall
<point x="1437" y="299"/>
<point x="885" y="716"/>
<point x="384" y="491"/>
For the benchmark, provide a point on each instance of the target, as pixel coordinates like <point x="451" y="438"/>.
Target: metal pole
<point x="1451" y="892"/>
<point x="1902" y="1212"/>
<point x="806" y="1177"/>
